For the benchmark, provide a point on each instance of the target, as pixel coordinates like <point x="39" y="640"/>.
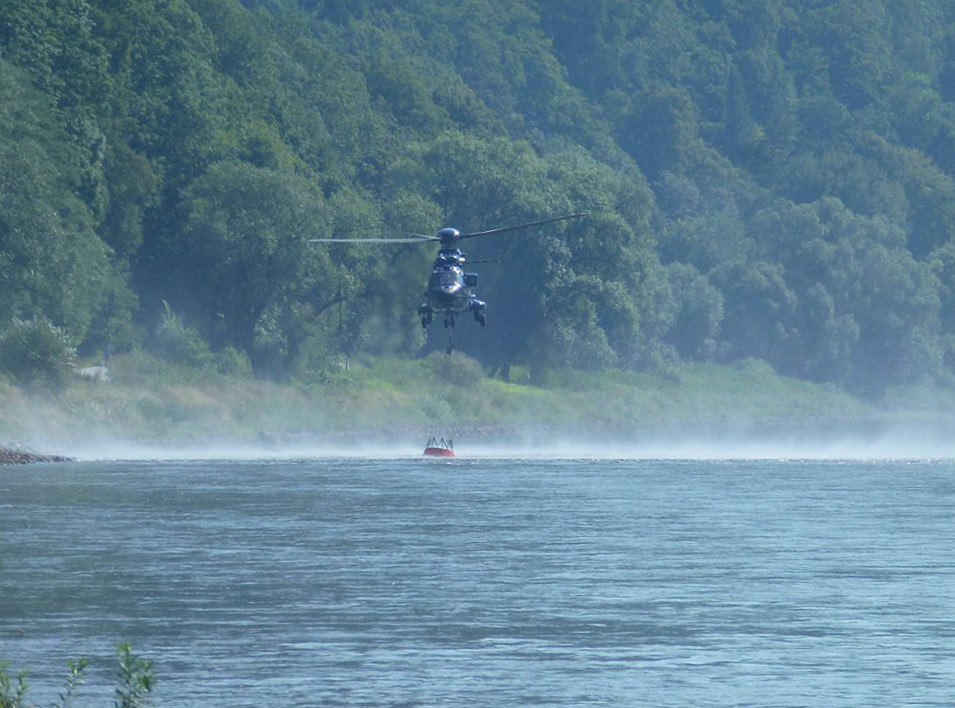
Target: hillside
<point x="764" y="180"/>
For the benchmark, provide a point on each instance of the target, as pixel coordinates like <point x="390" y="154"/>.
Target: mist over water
<point x="864" y="441"/>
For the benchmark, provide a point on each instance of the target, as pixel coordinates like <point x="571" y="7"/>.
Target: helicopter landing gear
<point x="480" y="312"/>
<point x="426" y="315"/>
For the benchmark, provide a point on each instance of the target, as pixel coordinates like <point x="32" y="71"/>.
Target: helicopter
<point x="450" y="289"/>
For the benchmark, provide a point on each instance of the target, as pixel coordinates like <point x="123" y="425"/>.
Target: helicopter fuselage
<point x="451" y="290"/>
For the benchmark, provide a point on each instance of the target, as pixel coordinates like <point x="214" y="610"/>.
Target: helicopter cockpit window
<point x="447" y="278"/>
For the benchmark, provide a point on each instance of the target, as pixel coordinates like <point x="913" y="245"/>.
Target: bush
<point x="232" y="362"/>
<point x="37" y="354"/>
<point x="179" y="343"/>
<point x="457" y="369"/>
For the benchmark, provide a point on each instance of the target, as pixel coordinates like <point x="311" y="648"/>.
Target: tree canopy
<point x="764" y="179"/>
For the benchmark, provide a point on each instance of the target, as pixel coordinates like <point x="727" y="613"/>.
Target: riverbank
<point x="10" y="456"/>
<point x="150" y="404"/>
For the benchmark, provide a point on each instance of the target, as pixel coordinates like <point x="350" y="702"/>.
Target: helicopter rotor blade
<point x="502" y="229"/>
<point x="416" y="238"/>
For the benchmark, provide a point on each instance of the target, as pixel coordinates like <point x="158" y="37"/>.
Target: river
<point x="485" y="581"/>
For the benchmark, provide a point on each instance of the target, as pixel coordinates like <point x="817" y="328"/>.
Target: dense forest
<point x="764" y="179"/>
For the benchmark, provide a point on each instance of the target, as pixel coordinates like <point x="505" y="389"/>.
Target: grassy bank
<point x="150" y="401"/>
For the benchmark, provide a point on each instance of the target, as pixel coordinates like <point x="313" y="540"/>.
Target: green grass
<point x="150" y="400"/>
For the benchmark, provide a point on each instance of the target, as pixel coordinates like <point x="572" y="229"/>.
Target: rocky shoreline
<point x="16" y="456"/>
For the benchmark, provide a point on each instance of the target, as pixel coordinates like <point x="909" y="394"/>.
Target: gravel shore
<point x="10" y="456"/>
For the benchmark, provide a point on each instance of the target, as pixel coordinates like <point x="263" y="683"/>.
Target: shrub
<point x="231" y="361"/>
<point x="178" y="343"/>
<point x="457" y="369"/>
<point x="37" y="354"/>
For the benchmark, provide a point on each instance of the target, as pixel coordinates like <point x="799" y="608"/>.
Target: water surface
<point x="486" y="582"/>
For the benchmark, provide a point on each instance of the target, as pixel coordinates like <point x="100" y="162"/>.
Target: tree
<point x="246" y="260"/>
<point x="52" y="264"/>
<point x="759" y="308"/>
<point x="699" y="313"/>
<point x="660" y="130"/>
<point x="898" y="321"/>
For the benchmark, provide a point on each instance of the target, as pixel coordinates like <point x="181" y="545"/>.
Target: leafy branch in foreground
<point x="74" y="680"/>
<point x="135" y="682"/>
<point x="136" y="679"/>
<point x="11" y="697"/>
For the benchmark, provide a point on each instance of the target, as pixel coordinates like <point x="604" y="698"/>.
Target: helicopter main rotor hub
<point x="448" y="236"/>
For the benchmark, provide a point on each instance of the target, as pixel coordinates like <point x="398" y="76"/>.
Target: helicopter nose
<point x="450" y="289"/>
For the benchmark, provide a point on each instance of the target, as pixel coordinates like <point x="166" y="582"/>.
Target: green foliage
<point x="762" y="180"/>
<point x="12" y="695"/>
<point x="457" y="369"/>
<point x="52" y="264"/>
<point x="246" y="232"/>
<point x="73" y="682"/>
<point x="135" y="681"/>
<point x="178" y="343"/>
<point x="232" y="362"/>
<point x="699" y="313"/>
<point x="37" y="354"/>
